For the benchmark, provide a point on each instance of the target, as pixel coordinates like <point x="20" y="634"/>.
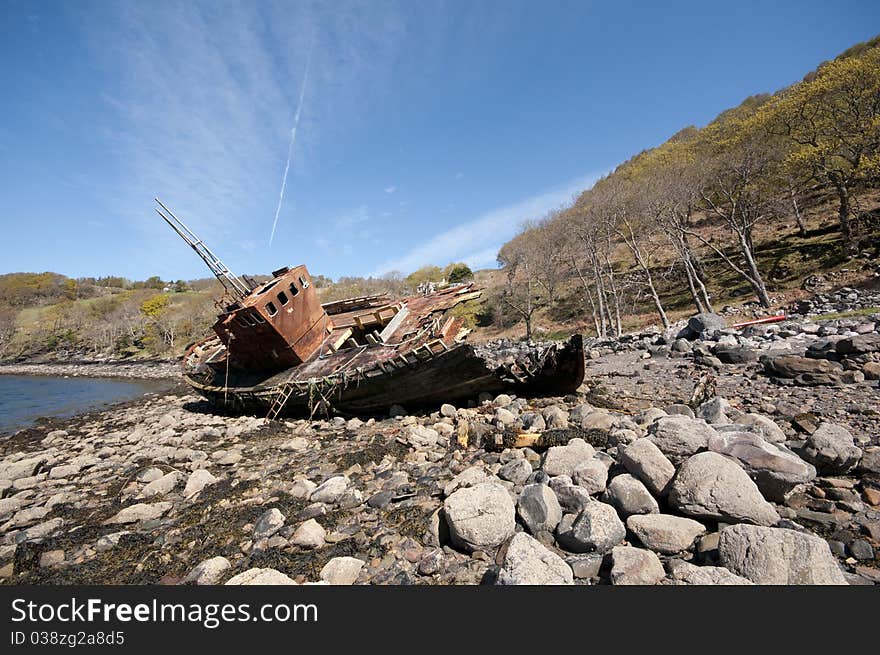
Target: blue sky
<point x="428" y="132"/>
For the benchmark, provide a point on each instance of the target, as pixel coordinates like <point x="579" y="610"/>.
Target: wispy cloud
<point x="485" y="234"/>
<point x="390" y="189"/>
<point x="199" y="112"/>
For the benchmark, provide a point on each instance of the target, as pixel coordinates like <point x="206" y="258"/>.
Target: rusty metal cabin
<point x="278" y="325"/>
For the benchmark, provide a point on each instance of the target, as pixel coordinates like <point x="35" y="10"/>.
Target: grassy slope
<point x="785" y="259"/>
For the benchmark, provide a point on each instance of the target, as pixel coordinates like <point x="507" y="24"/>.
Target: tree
<point x="737" y="191"/>
<point x="522" y="291"/>
<point x="833" y="123"/>
<point x="153" y="306"/>
<point x="456" y="273"/>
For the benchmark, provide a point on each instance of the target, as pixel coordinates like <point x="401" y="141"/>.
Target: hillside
<point x="738" y="212"/>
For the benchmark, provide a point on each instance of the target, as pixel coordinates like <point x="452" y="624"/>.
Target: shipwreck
<point x="276" y="349"/>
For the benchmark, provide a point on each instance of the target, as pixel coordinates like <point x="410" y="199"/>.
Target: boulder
<point x="643" y="459"/>
<point x="763" y="426"/>
<point x="714" y="411"/>
<point x="139" y="512"/>
<point x="735" y="354"/>
<point x="832" y="449"/>
<point x="309" y="534"/>
<point x="778" y="556"/>
<point x="470" y="477"/>
<point x="665" y="533"/>
<point x="629" y="496"/>
<point x="268" y="523"/>
<point x="538" y="508"/>
<point x="555" y="417"/>
<point x="343" y="570"/>
<point x="794" y="366"/>
<point x="684" y="573"/>
<point x="571" y="497"/>
<point x="705" y="322"/>
<point x="528" y="562"/>
<point x="709" y="485"/>
<point x="208" y="572"/>
<point x="859" y="345"/>
<point x="331" y="490"/>
<point x="564" y="460"/>
<point x="596" y="529"/>
<point x="260" y="577"/>
<point x="516" y="471"/>
<point x="774" y="468"/>
<point x="479" y="517"/>
<point x="160" y="486"/>
<point x="198" y="480"/>
<point x="635" y="566"/>
<point x="591" y="475"/>
<point x="679" y="437"/>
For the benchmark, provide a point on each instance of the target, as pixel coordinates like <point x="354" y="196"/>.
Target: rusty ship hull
<point x="277" y="349"/>
<point x="455" y="374"/>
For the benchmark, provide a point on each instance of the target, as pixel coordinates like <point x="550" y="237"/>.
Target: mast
<point x="233" y="285"/>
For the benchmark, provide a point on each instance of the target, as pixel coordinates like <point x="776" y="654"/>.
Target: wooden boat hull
<point x="456" y="374"/>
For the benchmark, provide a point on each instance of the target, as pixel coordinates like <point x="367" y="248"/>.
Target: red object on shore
<point x="766" y="319"/>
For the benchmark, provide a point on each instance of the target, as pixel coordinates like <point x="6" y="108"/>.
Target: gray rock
<point x="571" y="497"/>
<point x="448" y="410"/>
<point x="528" y="562"/>
<point x="596" y="529"/>
<point x="684" y="573"/>
<point x="679" y="437"/>
<point x="598" y="420"/>
<point x="538" y="508"/>
<point x="533" y="422"/>
<point x="591" y="475"/>
<point x="585" y="566"/>
<point x="555" y="417"/>
<point x="665" y="533"/>
<point x="579" y="413"/>
<point x="630" y="496"/>
<point x="470" y="477"/>
<point x="709" y="485"/>
<point x="775" y="469"/>
<point x="714" y="411"/>
<point x="161" y="486"/>
<point x="516" y="471"/>
<point x="832" y="449"/>
<point x="208" y="572"/>
<point x="564" y="460"/>
<point x="139" y="512"/>
<point x="705" y="322"/>
<point x="260" y="577"/>
<point x="198" y="480"/>
<point x="679" y="410"/>
<point x="795" y="366"/>
<point x="344" y="570"/>
<point x="420" y="436"/>
<point x="777" y="556"/>
<point x="643" y="459"/>
<point x="763" y="426"/>
<point x="635" y="566"/>
<point x="860" y="345"/>
<point x="479" y="517"/>
<point x="331" y="490"/>
<point x="309" y="534"/>
<point x="268" y="523"/>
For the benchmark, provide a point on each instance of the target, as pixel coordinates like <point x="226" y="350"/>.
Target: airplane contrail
<point x="302" y="93"/>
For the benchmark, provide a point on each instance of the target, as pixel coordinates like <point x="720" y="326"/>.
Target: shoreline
<point x="139" y="370"/>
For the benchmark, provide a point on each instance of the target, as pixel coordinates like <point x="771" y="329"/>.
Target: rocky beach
<point x="703" y="455"/>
